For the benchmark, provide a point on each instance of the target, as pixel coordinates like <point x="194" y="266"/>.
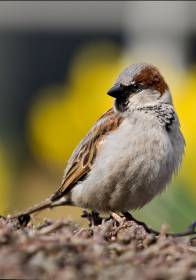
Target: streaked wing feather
<point x="83" y="156"/>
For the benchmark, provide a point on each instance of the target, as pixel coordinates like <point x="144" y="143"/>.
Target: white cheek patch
<point x="144" y="97"/>
<point x="149" y="97"/>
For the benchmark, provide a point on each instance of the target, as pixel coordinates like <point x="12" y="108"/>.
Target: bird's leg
<point x="119" y="219"/>
<point x="93" y="217"/>
<point x="190" y="230"/>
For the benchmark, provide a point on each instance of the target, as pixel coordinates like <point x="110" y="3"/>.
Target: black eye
<point x="136" y="87"/>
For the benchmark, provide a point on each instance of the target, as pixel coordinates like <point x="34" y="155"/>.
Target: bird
<point x="130" y="154"/>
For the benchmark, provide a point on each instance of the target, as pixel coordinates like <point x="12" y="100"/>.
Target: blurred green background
<point x="57" y="61"/>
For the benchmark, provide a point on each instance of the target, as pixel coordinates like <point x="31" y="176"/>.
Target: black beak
<point x="116" y="91"/>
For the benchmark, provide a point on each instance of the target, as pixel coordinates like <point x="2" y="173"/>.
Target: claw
<point x="120" y="220"/>
<point x="93" y="217"/>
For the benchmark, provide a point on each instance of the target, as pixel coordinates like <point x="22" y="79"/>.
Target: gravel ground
<point x="64" y="250"/>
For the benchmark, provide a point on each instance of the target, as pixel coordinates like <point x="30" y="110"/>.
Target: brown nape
<point x="151" y="77"/>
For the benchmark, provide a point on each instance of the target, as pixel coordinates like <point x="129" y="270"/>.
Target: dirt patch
<point x="64" y="250"/>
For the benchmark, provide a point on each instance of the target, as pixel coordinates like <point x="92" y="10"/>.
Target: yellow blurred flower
<point x="185" y="104"/>
<point x="63" y="114"/>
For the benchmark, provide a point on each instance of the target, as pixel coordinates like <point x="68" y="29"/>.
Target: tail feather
<point x="43" y="205"/>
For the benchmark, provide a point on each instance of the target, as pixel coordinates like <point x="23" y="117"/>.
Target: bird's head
<point x="138" y="85"/>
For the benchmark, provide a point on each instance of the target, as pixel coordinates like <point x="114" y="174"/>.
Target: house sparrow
<point x="131" y="152"/>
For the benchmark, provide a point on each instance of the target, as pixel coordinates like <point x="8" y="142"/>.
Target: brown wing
<point x="83" y="157"/>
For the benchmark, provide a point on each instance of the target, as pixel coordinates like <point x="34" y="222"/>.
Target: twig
<point x="190" y="230"/>
<point x="53" y="227"/>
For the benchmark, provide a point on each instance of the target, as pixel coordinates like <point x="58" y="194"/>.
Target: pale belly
<point x="134" y="165"/>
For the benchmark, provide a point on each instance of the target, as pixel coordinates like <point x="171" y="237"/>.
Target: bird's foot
<point x="118" y="219"/>
<point x="95" y="220"/>
<point x="93" y="217"/>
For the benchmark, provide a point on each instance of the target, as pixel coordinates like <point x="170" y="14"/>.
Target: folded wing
<point x="84" y="155"/>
